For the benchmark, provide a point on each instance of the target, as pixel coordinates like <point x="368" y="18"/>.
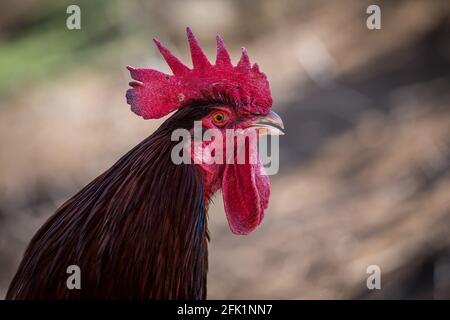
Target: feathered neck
<point x="138" y="231"/>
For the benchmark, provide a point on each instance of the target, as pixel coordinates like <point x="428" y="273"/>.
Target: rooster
<point x="139" y="230"/>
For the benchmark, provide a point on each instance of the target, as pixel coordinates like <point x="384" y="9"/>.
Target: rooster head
<point x="232" y="99"/>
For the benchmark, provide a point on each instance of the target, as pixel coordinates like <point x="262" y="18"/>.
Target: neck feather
<point x="138" y="231"/>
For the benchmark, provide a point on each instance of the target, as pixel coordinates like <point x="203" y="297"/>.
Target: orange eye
<point x="219" y="117"/>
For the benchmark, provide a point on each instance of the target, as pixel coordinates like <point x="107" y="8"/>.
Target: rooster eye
<point x="218" y="118"/>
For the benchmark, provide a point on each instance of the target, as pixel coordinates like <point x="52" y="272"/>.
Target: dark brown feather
<point x="138" y="231"/>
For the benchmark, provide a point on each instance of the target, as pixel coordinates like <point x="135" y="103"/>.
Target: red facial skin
<point x="245" y="187"/>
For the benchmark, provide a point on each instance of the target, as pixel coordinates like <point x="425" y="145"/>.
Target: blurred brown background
<point x="365" y="164"/>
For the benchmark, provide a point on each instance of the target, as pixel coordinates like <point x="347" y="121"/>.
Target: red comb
<point x="155" y="94"/>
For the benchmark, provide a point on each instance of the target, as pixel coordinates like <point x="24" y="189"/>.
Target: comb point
<point x="199" y="60"/>
<point x="222" y="57"/>
<point x="244" y="62"/>
<point x="174" y="63"/>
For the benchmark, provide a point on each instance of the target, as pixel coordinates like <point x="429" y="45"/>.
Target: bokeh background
<point x="365" y="165"/>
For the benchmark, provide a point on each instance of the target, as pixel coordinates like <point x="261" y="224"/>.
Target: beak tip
<point x="269" y="124"/>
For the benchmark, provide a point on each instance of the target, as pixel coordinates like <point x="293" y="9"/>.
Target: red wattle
<point x="246" y="191"/>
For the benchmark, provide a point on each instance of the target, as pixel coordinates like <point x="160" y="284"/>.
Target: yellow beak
<point x="270" y="124"/>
